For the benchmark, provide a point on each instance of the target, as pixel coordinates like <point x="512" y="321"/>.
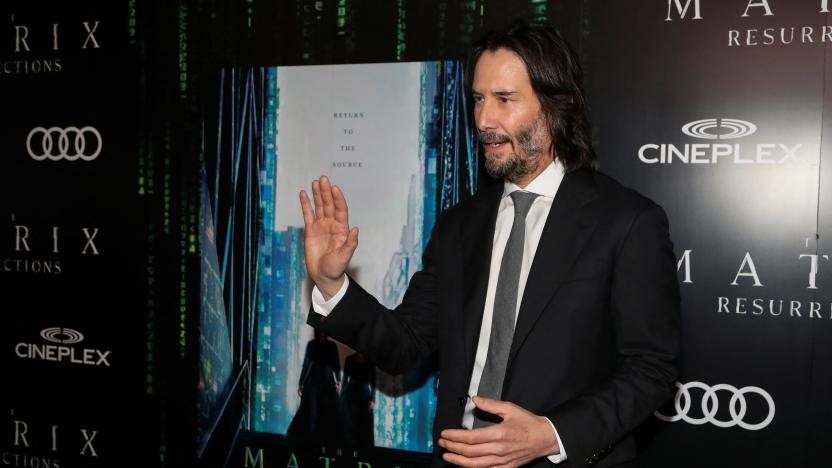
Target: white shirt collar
<point x="546" y="184"/>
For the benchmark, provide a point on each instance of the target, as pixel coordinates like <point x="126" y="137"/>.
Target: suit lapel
<point x="568" y="226"/>
<point x="478" y="237"/>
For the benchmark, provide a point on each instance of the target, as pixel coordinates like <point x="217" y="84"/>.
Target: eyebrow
<point x="497" y="93"/>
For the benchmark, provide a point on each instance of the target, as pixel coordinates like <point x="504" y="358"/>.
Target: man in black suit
<point x="553" y="294"/>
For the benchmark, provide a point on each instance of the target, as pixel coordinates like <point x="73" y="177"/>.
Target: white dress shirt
<point x="545" y="185"/>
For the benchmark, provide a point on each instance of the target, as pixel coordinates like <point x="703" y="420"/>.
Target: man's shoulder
<point x="484" y="199"/>
<point x="611" y="192"/>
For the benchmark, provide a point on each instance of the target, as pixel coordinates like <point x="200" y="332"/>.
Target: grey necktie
<point x="505" y="309"/>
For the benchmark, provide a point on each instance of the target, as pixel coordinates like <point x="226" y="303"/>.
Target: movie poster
<point x="364" y="127"/>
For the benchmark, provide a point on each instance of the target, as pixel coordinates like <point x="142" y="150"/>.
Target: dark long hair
<point x="557" y="80"/>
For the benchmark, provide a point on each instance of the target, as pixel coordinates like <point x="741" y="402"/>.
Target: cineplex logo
<point x="59" y="351"/>
<point x="712" y="398"/>
<point x="70" y="143"/>
<point x="716" y="131"/>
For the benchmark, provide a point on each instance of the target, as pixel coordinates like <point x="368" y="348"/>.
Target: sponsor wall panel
<point x="664" y="77"/>
<point x="714" y="116"/>
<point x="70" y="279"/>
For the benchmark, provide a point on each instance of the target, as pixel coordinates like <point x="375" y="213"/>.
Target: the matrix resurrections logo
<point x="37" y="445"/>
<point x="787" y="34"/>
<point x="748" y="277"/>
<point x="37" y="250"/>
<point x="31" y="48"/>
<point x="59" y="347"/>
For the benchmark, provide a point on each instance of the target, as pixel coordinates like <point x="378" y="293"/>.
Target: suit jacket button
<point x="462" y="401"/>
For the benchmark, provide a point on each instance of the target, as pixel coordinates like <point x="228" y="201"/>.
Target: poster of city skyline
<point x="377" y="131"/>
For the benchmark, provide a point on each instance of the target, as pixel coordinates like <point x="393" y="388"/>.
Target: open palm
<point x="328" y="240"/>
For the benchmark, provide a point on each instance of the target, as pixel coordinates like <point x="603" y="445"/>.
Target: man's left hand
<point x="519" y="438"/>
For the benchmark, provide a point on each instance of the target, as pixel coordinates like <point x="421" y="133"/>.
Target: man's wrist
<point x="552" y="447"/>
<point x="558" y="454"/>
<point x="329" y="288"/>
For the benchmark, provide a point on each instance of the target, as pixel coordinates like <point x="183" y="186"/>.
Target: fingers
<point x="473" y="436"/>
<point x="341" y="210"/>
<point x="326" y="194"/>
<point x="487" y="461"/>
<point x="306" y="208"/>
<point x="510" y="443"/>
<point x="500" y="408"/>
<point x="319" y="201"/>
<point x="491" y="446"/>
<point x="475" y="450"/>
<point x="329" y="200"/>
<point x="347" y="249"/>
<point x="352" y="240"/>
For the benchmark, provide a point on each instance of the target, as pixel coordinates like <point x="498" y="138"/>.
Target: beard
<point x="528" y="148"/>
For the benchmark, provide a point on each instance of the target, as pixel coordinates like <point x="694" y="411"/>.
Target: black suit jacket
<point x="597" y="336"/>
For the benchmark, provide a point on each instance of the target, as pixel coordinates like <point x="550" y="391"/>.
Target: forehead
<point x="500" y="70"/>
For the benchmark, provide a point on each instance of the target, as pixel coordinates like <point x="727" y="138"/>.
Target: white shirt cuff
<point x="558" y="457"/>
<point x="324" y="307"/>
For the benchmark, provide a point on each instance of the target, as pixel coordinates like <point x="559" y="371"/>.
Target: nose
<point x="484" y="115"/>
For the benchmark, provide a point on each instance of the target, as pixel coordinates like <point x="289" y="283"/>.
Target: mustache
<point x="492" y="137"/>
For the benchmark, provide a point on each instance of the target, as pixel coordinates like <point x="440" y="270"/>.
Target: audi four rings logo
<point x="737" y="405"/>
<point x="70" y="143"/>
<point x="719" y="129"/>
<point x="61" y="335"/>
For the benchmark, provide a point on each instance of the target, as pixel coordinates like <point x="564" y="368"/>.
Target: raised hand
<point x="328" y="240"/>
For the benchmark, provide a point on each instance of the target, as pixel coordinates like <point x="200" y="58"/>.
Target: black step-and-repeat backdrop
<point x="149" y="264"/>
<point x="116" y="346"/>
<point x="72" y="236"/>
<point x="717" y="110"/>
